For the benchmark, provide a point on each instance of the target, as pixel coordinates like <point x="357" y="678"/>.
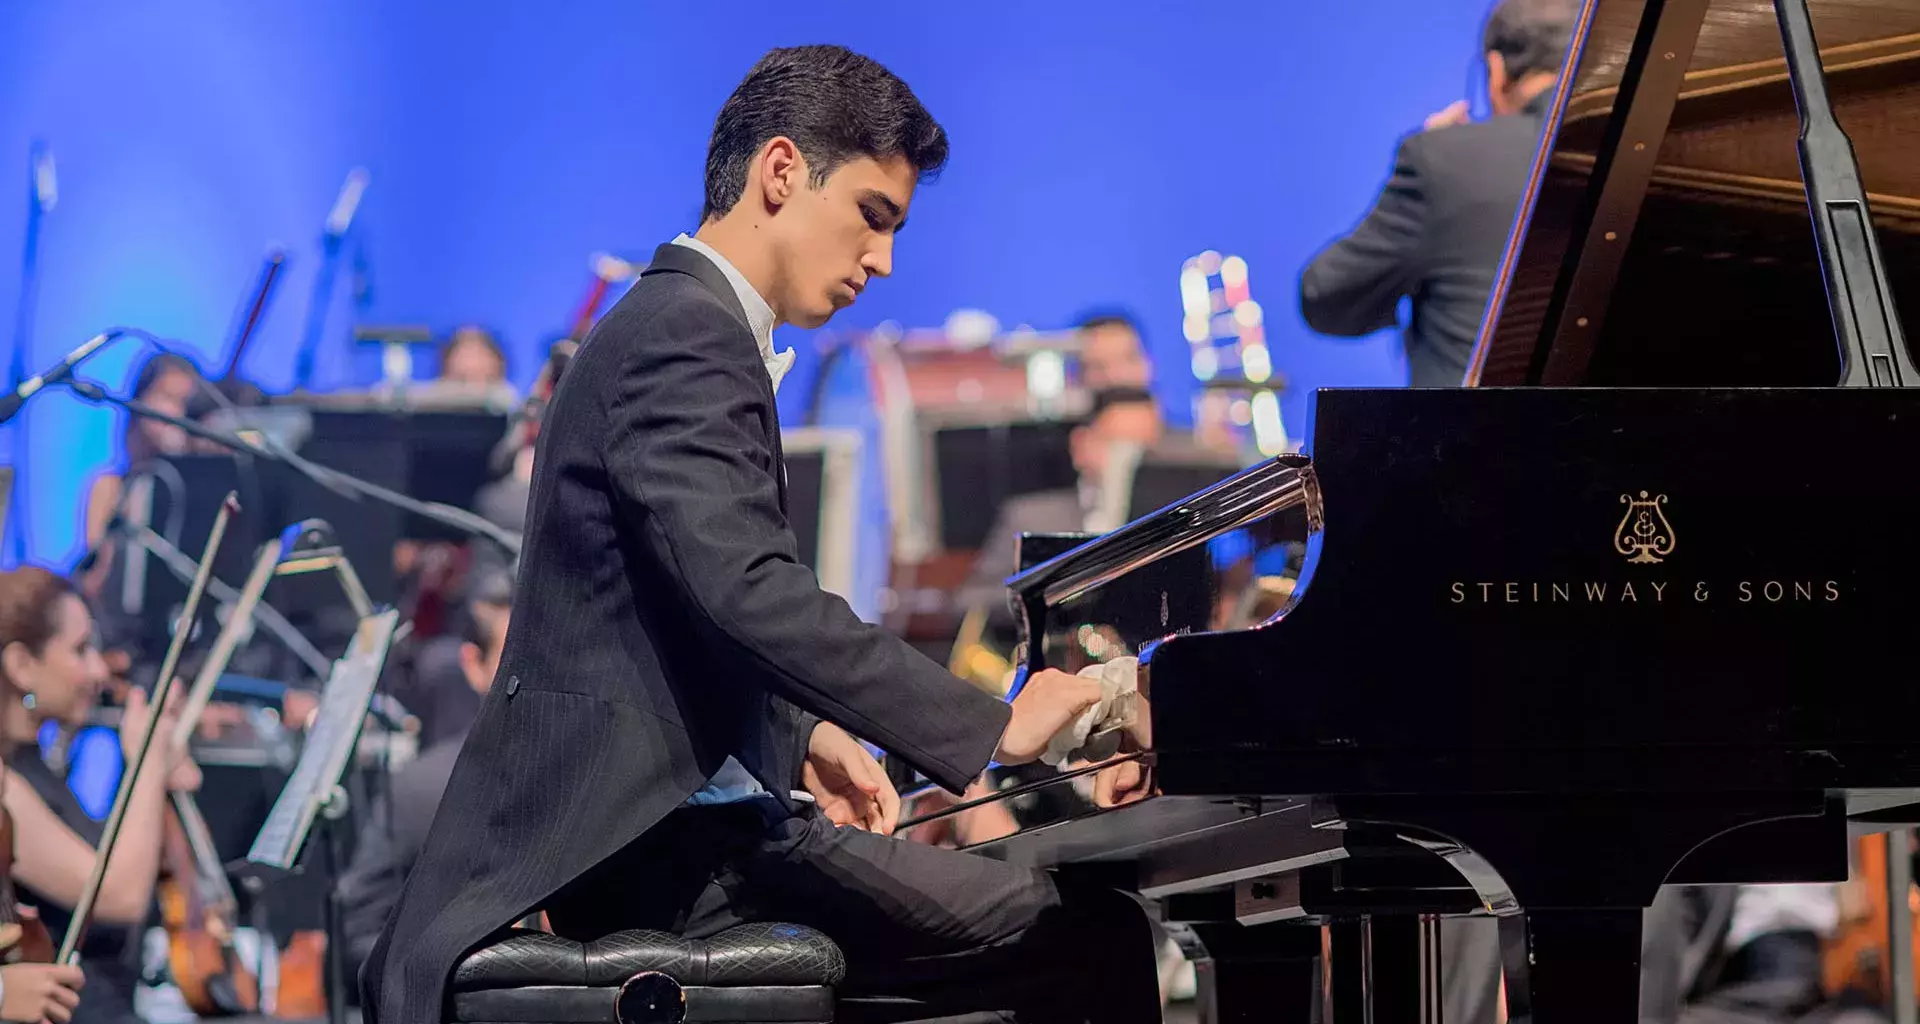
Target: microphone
<point x="10" y="404"/>
<point x="341" y="216"/>
<point x="46" y="190"/>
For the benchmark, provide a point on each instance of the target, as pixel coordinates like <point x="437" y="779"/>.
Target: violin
<point x="1856" y="959"/>
<point x="198" y="911"/>
<point x="23" y="936"/>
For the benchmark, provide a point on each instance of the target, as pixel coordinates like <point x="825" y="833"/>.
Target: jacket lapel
<point x="678" y="259"/>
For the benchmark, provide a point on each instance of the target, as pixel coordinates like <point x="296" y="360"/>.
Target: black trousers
<point x="929" y="933"/>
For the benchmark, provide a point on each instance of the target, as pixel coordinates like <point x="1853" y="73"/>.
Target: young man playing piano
<point x="672" y="671"/>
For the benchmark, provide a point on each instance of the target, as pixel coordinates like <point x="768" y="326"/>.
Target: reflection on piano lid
<point x="1196" y="566"/>
<point x="1575" y="643"/>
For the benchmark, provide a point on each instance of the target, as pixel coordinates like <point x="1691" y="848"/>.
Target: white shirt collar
<point x="759" y="314"/>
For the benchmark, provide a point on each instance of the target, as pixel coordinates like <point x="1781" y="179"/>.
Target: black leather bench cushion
<point x="802" y="1004"/>
<point x="748" y="955"/>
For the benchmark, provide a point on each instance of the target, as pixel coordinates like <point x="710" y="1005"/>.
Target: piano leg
<point x="1403" y="970"/>
<point x="1385" y="970"/>
<point x="1266" y="973"/>
<point x="1582" y="967"/>
<point x="1345" y="949"/>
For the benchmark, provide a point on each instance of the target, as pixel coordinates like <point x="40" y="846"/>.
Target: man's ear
<point x="781" y="170"/>
<point x="474" y="668"/>
<point x="1497" y="82"/>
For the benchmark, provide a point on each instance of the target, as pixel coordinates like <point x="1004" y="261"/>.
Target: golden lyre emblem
<point x="1644" y="532"/>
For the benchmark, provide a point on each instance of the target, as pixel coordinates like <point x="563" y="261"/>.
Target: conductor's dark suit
<point x="662" y="623"/>
<point x="1436" y="235"/>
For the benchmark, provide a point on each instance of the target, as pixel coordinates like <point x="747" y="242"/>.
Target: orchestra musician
<point x="392" y="835"/>
<point x="52" y="671"/>
<point x="472" y="356"/>
<point x="1112" y="352"/>
<point x="672" y="672"/>
<point x="1120" y="415"/>
<point x="168" y="383"/>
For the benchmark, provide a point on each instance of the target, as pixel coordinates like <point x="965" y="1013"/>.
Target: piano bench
<point x="751" y="974"/>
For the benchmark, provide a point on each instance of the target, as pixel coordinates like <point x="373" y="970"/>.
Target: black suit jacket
<point x="661" y="623"/>
<point x="1436" y="234"/>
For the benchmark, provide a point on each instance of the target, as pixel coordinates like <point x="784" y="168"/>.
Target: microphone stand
<point x="40" y="200"/>
<point x="266" y="615"/>
<point x="332" y="479"/>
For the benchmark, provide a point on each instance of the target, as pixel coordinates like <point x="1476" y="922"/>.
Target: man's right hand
<point x="1049" y="701"/>
<point x="1456" y="112"/>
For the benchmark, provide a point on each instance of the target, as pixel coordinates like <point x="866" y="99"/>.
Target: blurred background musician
<point x="51" y="671"/>
<point x="1438" y="230"/>
<point x="168" y="383"/>
<point x="1113" y="352"/>
<point x="1121" y="415"/>
<point x="472" y="356"/>
<point x="391" y="835"/>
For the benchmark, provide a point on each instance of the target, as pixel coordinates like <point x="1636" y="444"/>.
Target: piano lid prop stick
<point x="83" y="910"/>
<point x="1873" y="349"/>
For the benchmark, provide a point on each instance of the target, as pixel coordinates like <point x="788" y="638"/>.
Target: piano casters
<point x="1570" y="876"/>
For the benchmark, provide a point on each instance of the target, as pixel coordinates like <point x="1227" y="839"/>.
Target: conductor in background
<point x="672" y="673"/>
<point x="1438" y="230"/>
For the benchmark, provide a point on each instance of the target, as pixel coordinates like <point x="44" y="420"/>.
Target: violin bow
<point x="83" y="910"/>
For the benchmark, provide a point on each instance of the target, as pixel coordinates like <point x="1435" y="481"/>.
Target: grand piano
<point x="1621" y="613"/>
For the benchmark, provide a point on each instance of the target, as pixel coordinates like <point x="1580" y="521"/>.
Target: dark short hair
<point x="1530" y="35"/>
<point x="1108" y="318"/>
<point x="492" y="591"/>
<point x="472" y="334"/>
<point x="834" y="104"/>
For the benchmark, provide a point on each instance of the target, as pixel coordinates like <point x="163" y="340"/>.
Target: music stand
<point x="315" y="794"/>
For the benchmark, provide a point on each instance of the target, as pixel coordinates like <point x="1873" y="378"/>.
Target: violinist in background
<point x="168" y="383"/>
<point x="392" y="835"/>
<point x="51" y="671"/>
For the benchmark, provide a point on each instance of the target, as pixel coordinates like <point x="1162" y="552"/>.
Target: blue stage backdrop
<point x="1095" y="147"/>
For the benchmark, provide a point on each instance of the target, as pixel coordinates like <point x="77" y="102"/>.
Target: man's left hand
<point x="847" y="782"/>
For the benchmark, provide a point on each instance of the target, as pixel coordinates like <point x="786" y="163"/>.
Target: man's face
<point x="169" y="394"/>
<point x="1111" y="356"/>
<point x="830" y="241"/>
<point x="472" y="361"/>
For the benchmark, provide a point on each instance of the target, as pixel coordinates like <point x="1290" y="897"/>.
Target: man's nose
<point x="879" y="260"/>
